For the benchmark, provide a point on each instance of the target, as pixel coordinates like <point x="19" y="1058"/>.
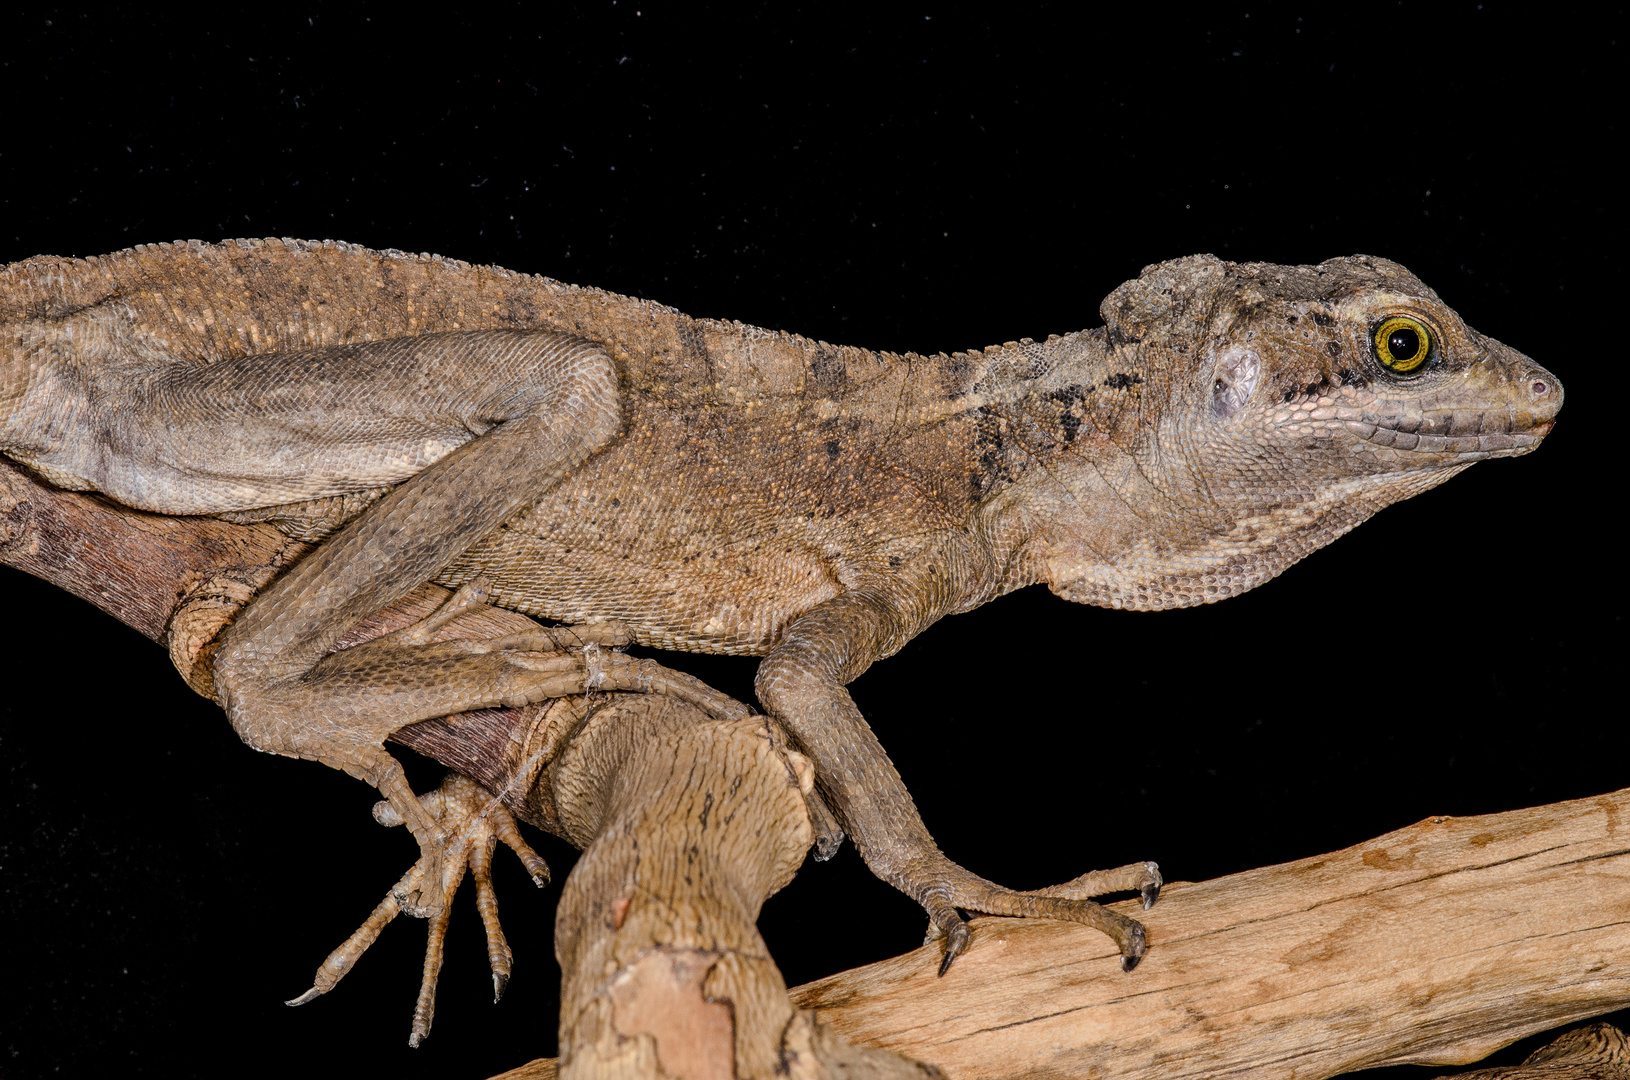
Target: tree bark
<point x="1592" y="1052"/>
<point x="687" y="824"/>
<point x="1435" y="944"/>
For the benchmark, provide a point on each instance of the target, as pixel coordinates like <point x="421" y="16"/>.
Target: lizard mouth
<point x="1466" y="435"/>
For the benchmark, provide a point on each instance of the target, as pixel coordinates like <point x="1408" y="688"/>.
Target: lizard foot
<point x="456" y="668"/>
<point x="473" y="822"/>
<point x="949" y="890"/>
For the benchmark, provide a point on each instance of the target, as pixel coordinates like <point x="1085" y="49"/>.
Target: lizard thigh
<point x="176" y="436"/>
<point x="403" y="540"/>
<point x="269" y="671"/>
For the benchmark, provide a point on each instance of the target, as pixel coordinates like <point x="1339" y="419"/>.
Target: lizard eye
<point x="1402" y="344"/>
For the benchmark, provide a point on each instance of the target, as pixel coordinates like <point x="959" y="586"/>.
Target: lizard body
<point x="712" y="486"/>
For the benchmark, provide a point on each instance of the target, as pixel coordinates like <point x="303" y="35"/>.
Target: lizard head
<point x="1285" y="405"/>
<point x="1351" y="369"/>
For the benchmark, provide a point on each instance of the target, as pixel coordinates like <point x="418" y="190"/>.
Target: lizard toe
<point x="472" y="823"/>
<point x="1151" y="889"/>
<point x="1136" y="945"/>
<point x="945" y="922"/>
<point x="946" y="889"/>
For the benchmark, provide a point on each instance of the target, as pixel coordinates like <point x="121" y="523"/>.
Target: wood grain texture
<point x="1435" y="944"/>
<point x="687" y="824"/>
<point x="1592" y="1052"/>
<point x="137" y="567"/>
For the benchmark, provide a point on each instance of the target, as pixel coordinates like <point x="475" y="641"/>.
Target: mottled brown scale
<point x="712" y="486"/>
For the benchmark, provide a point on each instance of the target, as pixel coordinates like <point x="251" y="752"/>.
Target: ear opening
<point x="1235" y="379"/>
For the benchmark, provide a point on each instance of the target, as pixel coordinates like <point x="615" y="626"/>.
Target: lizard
<point x="695" y="484"/>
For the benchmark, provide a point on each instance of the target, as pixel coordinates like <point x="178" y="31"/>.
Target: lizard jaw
<point x="1466" y="436"/>
<point x="1505" y="410"/>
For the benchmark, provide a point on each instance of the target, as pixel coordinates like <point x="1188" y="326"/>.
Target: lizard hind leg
<point x="545" y="402"/>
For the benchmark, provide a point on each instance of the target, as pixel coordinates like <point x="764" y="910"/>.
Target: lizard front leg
<point x="283" y="691"/>
<point x="801" y="682"/>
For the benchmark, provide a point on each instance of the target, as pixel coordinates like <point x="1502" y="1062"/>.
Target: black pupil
<point x="1404" y="343"/>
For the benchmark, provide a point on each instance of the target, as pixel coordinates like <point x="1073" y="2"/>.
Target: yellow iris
<point x="1402" y="344"/>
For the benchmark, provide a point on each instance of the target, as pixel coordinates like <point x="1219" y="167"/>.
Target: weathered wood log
<point x="1435" y="944"/>
<point x="687" y="824"/>
<point x="1592" y="1052"/>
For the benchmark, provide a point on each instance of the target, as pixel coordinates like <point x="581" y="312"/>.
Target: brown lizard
<point x="709" y="486"/>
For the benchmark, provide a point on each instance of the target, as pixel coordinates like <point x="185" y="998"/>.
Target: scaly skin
<point x="715" y="487"/>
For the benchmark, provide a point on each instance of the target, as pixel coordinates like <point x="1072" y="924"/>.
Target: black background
<point x="931" y="180"/>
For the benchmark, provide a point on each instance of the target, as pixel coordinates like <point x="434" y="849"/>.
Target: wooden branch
<point x="1592" y="1052"/>
<point x="1436" y="944"/>
<point x="687" y="824"/>
<point x="137" y="567"/>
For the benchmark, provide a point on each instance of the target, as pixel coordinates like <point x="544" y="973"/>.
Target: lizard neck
<point x="1060" y="452"/>
<point x="1095" y="492"/>
<point x="15" y="383"/>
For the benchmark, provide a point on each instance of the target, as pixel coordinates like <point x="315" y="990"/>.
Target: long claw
<point x="948" y="923"/>
<point x="340" y="962"/>
<point x="946" y="889"/>
<point x="1136" y="945"/>
<point x="499" y="956"/>
<point x="503" y="827"/>
<point x="424" y="1009"/>
<point x="469" y="595"/>
<point x="472" y="822"/>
